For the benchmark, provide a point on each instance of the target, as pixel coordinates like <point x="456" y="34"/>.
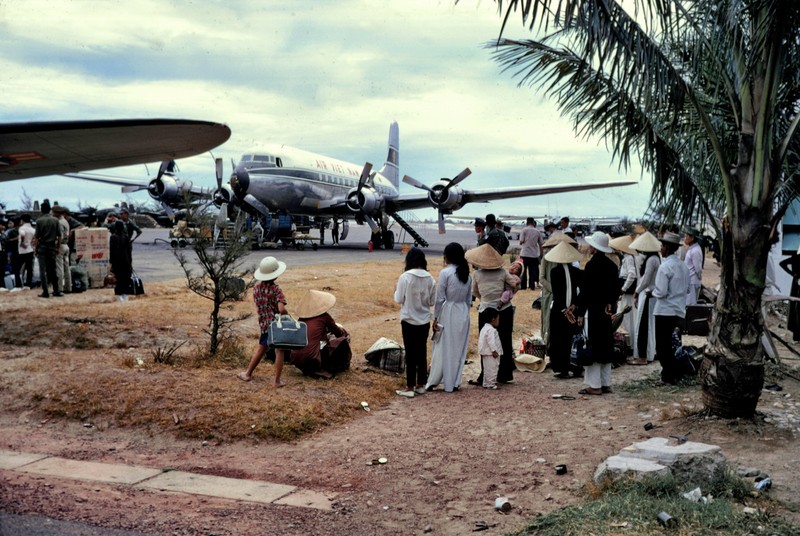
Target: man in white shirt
<point x="531" y="241"/>
<point x="26" y="234"/>
<point x="672" y="282"/>
<point x="694" y="262"/>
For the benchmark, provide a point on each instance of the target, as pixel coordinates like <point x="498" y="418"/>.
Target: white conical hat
<point x="646" y="243"/>
<point x="563" y="253"/>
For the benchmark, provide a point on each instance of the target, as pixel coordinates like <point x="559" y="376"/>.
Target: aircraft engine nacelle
<point x="446" y="200"/>
<point x="367" y="200"/>
<point x="168" y="189"/>
<point x="224" y="195"/>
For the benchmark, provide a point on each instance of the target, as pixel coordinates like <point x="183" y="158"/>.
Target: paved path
<point x="164" y="480"/>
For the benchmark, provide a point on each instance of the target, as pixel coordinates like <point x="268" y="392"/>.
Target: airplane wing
<point x="135" y="185"/>
<point x="128" y="185"/>
<point x="50" y="148"/>
<point x="414" y="201"/>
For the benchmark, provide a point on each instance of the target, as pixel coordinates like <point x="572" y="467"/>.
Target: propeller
<point x="439" y="193"/>
<point x="366" y="174"/>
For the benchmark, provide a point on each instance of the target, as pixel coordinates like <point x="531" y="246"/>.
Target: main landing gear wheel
<point x="388" y="240"/>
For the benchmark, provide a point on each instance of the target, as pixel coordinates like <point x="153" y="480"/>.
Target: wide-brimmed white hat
<point x="563" y="253"/>
<point x="530" y="362"/>
<point x="557" y="237"/>
<point x="646" y="243"/>
<point x="269" y="268"/>
<point x="599" y="241"/>
<point x="484" y="257"/>
<point x="623" y="244"/>
<point x="314" y="303"/>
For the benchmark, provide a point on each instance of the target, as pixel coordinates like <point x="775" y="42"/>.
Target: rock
<point x="615" y="467"/>
<point x="690" y="461"/>
<point x="428" y="528"/>
<point x="748" y="472"/>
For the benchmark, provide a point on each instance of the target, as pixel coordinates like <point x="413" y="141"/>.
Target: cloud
<point x="327" y="77"/>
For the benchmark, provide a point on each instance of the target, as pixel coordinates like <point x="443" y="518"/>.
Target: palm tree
<point x="706" y="94"/>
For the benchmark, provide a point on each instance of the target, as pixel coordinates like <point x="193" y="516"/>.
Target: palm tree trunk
<point x="732" y="373"/>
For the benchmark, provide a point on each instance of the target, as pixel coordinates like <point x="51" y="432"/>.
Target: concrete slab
<point x="305" y="498"/>
<point x="689" y="462"/>
<point x="662" y="450"/>
<point x="13" y="460"/>
<point x="218" y="486"/>
<point x="92" y="471"/>
<point x="615" y="467"/>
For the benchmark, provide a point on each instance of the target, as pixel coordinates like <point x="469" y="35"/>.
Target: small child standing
<point x="489" y="347"/>
<point x="270" y="302"/>
<point x="514" y="272"/>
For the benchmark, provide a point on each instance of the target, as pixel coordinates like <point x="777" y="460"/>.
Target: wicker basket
<point x="535" y="347"/>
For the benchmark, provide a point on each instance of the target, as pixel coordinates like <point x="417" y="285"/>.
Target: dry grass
<point x="104" y="368"/>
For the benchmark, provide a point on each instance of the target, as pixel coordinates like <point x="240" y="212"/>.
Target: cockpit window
<point x="263" y="158"/>
<point x="247" y="158"/>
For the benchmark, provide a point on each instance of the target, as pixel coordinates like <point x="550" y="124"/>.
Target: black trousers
<point x="47" y="268"/>
<point x="530" y="272"/>
<point x="22" y="264"/>
<point x="665" y="326"/>
<point x="415" y="340"/>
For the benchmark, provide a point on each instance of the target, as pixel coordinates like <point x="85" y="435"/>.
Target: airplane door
<point x="345" y="229"/>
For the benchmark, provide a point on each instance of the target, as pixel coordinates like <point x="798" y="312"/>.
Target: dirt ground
<point x="449" y="455"/>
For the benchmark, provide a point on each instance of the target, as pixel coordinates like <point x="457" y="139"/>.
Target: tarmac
<point x="165" y="480"/>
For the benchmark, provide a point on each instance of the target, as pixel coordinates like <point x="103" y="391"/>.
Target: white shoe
<point x="407" y="394"/>
<point x="420" y="390"/>
<point x="3" y="289"/>
<point x="16" y="289"/>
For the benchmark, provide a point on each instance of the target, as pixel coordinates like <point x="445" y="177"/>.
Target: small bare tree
<point x="220" y="267"/>
<point x="25" y="201"/>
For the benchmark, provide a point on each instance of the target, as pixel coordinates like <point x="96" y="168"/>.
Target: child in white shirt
<point x="489" y="347"/>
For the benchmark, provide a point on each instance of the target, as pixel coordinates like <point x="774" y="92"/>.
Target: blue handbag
<point x="286" y="333"/>
<point x="581" y="353"/>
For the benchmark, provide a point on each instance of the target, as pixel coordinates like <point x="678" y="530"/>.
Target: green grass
<point x="629" y="507"/>
<point x="649" y="386"/>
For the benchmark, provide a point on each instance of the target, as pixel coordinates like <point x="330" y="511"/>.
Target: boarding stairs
<point x="408" y="229"/>
<point x="222" y="236"/>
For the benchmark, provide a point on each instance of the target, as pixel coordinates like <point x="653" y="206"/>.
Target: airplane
<point x="167" y="188"/>
<point x="50" y="148"/>
<point x="278" y="178"/>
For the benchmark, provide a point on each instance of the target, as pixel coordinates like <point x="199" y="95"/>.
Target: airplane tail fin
<point x="391" y="168"/>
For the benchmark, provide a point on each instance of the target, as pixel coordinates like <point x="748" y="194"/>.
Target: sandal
<point x="588" y="392"/>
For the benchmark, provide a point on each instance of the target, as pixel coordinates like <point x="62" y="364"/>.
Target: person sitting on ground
<point x="328" y="349"/>
<point x="489" y="347"/>
<point x="514" y="271"/>
<point x="270" y="303"/>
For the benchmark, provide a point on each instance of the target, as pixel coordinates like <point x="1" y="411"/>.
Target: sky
<point x="327" y="77"/>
